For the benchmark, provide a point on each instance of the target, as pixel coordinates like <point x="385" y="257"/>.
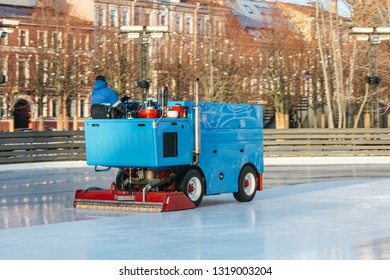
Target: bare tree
<point x="116" y="57"/>
<point x="283" y="66"/>
<point x="373" y="100"/>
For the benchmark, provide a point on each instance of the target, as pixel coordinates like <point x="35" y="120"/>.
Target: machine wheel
<point x="247" y="185"/>
<point x="121" y="176"/>
<point x="191" y="183"/>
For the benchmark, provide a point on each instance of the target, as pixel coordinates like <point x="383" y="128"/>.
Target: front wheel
<point x="121" y="177"/>
<point x="247" y="185"/>
<point x="191" y="183"/>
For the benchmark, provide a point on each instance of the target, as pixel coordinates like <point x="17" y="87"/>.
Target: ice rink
<point x="337" y="209"/>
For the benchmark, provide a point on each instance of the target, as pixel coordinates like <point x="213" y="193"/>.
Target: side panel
<point x="118" y="143"/>
<point x="231" y="136"/>
<point x="138" y="142"/>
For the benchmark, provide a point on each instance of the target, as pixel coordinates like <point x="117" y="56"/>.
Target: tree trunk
<point x="11" y="124"/>
<point x="281" y="120"/>
<point x="367" y="120"/>
<point x="324" y="70"/>
<point x="388" y="120"/>
<point x="40" y="123"/>
<point x="362" y="107"/>
<point x="338" y="72"/>
<point x="59" y="120"/>
<point x="315" y="118"/>
<point x="65" y="117"/>
<point x="76" y="113"/>
<point x="323" y="120"/>
<point x="75" y="122"/>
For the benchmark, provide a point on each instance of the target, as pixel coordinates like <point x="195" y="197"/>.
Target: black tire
<point x="121" y="176"/>
<point x="191" y="183"/>
<point x="248" y="183"/>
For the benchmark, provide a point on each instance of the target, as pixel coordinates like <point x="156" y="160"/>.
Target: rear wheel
<point x="247" y="185"/>
<point x="191" y="183"/>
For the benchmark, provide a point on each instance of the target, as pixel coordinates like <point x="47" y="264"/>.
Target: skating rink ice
<point x="311" y="210"/>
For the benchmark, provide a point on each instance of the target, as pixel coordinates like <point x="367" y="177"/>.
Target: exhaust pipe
<point x="197" y="123"/>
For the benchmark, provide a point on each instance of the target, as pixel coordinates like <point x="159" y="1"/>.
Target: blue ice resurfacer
<point x="170" y="155"/>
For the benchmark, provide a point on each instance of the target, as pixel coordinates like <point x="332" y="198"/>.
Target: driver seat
<point x="100" y="111"/>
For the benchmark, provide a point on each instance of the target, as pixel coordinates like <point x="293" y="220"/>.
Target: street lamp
<point x="7" y="26"/>
<point x="144" y="33"/>
<point x="374" y="35"/>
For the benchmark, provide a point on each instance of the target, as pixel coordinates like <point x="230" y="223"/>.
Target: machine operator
<point x="103" y="95"/>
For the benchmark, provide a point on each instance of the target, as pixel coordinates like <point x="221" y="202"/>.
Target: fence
<point x="18" y="147"/>
<point x="326" y="142"/>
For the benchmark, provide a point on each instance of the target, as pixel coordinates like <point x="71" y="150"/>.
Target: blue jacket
<point x="102" y="94"/>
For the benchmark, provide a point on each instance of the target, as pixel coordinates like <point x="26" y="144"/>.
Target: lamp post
<point x="374" y="35"/>
<point x="144" y="34"/>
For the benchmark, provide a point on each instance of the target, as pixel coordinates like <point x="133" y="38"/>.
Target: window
<point x="137" y="13"/>
<point x="100" y="17"/>
<point x="71" y="42"/>
<point x="261" y="9"/>
<point x="112" y="18"/>
<point x="177" y="24"/>
<point x="163" y="23"/>
<point x="54" y="108"/>
<point x="218" y="28"/>
<point x="42" y="39"/>
<point x="24" y="38"/>
<point x="124" y="18"/>
<point x="22" y="73"/>
<point x="199" y="26"/>
<point x="82" y="104"/>
<point x="84" y="41"/>
<point x="249" y="9"/>
<point x="147" y="19"/>
<point x="69" y="107"/>
<point x="188" y="25"/>
<point x="57" y="40"/>
<point x="4" y="65"/>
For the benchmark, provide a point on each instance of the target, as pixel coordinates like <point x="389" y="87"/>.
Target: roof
<point x="251" y="14"/>
<point x="31" y="14"/>
<point x="16" y="11"/>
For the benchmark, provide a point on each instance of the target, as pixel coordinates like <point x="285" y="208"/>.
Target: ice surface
<point x="324" y="218"/>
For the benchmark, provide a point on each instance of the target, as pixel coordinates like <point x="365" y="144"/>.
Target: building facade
<point x="49" y="63"/>
<point x="30" y="60"/>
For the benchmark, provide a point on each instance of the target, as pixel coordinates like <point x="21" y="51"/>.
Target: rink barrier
<point x="308" y="142"/>
<point x="22" y="147"/>
<point x="34" y="146"/>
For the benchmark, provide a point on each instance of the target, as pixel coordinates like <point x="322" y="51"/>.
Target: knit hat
<point x="101" y="78"/>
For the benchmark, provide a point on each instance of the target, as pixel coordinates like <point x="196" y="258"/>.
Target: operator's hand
<point x="125" y="98"/>
<point x="121" y="108"/>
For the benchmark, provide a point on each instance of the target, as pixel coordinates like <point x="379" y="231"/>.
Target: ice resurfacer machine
<point x="170" y="155"/>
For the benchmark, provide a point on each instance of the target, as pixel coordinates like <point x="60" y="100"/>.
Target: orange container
<point x="149" y="113"/>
